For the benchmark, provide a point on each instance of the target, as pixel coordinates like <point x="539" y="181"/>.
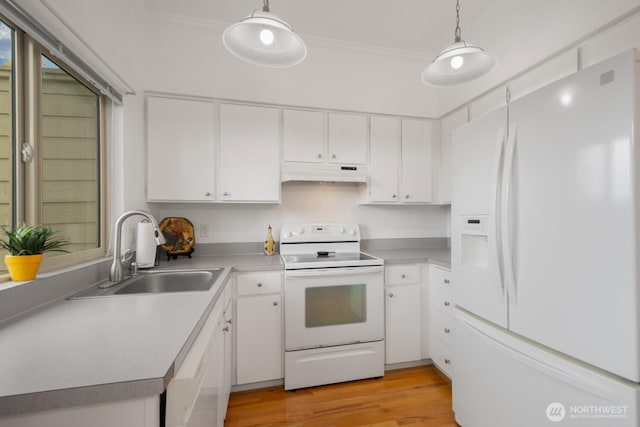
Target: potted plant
<point x="26" y="246"/>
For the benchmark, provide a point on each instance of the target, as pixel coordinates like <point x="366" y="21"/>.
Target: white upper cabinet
<point x="384" y="159"/>
<point x="449" y="123"/>
<point x="249" y="154"/>
<point x="306" y="138"/>
<point x="347" y="138"/>
<point x="180" y="140"/>
<point x="303" y="136"/>
<point x="400" y="161"/>
<point x="416" y="177"/>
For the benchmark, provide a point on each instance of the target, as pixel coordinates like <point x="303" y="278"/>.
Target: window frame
<point x="27" y="122"/>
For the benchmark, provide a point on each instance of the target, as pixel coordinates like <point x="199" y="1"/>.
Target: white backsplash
<point x="308" y="202"/>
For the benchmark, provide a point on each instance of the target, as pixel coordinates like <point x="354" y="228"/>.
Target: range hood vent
<point x="321" y="172"/>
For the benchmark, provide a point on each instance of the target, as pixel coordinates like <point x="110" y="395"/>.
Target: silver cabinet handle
<point x="404" y="276"/>
<point x="447" y="361"/>
<point x="333" y="156"/>
<point x="208" y="193"/>
<point x="226" y="329"/>
<point x="259" y="284"/>
<point x="275" y="303"/>
<point x="447" y="303"/>
<point x="391" y="295"/>
<point x="447" y="330"/>
<point x="446" y="281"/>
<point x="407" y="196"/>
<point x="319" y="155"/>
<point x="226" y="193"/>
<point x="394" y="196"/>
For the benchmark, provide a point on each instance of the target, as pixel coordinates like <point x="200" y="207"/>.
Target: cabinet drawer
<point x="440" y="291"/>
<point x="442" y="359"/>
<point x="259" y="283"/>
<point x="440" y="276"/>
<point x="442" y="327"/>
<point x="402" y="274"/>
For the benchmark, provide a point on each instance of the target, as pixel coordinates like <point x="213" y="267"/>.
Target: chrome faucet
<point x="116" y="274"/>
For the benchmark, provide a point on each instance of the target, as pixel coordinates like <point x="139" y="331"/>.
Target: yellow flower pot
<point x="23" y="267"/>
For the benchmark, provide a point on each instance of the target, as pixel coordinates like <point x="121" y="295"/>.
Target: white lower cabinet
<point x="207" y="408"/>
<point x="228" y="350"/>
<point x="259" y="344"/>
<point x="441" y="319"/>
<point x="142" y="412"/>
<point x="403" y="314"/>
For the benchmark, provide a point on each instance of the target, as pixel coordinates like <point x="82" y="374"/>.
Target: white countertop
<point x="96" y="349"/>
<point x="439" y="256"/>
<point x="85" y="351"/>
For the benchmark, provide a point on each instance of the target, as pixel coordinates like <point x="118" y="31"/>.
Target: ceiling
<point x="421" y="27"/>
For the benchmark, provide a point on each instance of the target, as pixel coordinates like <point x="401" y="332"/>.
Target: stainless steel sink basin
<point x="154" y="282"/>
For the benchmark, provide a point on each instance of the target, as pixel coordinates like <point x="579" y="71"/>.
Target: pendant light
<point x="265" y="39"/>
<point x="459" y="63"/>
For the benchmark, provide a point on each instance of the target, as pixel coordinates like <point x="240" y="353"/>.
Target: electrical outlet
<point x="204" y="230"/>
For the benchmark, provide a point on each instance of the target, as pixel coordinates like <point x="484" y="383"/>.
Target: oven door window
<point x="335" y="305"/>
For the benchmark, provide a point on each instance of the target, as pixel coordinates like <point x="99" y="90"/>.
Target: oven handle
<point x="337" y="271"/>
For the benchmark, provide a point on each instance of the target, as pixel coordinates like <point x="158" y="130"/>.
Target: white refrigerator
<point x="545" y="237"/>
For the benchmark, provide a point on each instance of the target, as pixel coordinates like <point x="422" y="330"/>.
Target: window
<point x="6" y="126"/>
<point x="51" y="137"/>
<point x="70" y="142"/>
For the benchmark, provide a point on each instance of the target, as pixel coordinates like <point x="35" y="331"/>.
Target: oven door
<point x="333" y="306"/>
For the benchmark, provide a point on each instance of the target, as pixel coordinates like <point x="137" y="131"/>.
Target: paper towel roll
<point x="145" y="245"/>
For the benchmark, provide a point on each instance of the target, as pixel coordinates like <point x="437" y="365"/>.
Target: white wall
<point x="305" y="202"/>
<point x="620" y="37"/>
<point x="187" y="57"/>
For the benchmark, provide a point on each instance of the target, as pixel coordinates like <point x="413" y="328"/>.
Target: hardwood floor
<point x="419" y="396"/>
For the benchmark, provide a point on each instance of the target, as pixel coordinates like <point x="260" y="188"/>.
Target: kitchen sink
<point x="155" y="282"/>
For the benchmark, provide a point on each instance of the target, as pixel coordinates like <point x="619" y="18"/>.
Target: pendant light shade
<point x="265" y="39"/>
<point x="459" y="63"/>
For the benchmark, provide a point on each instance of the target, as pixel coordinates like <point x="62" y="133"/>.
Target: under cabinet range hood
<point x="322" y="172"/>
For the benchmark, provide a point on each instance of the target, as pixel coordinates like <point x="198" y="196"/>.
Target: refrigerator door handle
<point x="506" y="239"/>
<point x="495" y="206"/>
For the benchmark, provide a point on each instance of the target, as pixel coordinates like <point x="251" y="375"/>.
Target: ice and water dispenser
<point x="474" y="250"/>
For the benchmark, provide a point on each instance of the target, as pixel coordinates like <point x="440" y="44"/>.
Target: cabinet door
<point x="449" y="123"/>
<point x="384" y="159"/>
<point x="347" y="138"/>
<point x="249" y="154"/>
<point x="228" y="358"/>
<point x="303" y="136"/>
<point x="416" y="180"/>
<point x="259" y="338"/>
<point x="402" y="324"/>
<point x="180" y="140"/>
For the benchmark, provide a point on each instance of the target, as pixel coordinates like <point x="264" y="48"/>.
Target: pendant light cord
<point x="265" y="8"/>
<point x="458" y="31"/>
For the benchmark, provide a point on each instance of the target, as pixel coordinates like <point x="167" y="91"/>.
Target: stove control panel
<point x="308" y="233"/>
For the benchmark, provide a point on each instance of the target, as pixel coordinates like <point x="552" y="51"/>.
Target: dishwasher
<point x="194" y="394"/>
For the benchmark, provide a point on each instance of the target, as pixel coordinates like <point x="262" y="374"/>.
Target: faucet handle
<point x="126" y="256"/>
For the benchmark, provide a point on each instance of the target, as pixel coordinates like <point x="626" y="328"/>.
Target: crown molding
<point x="145" y="14"/>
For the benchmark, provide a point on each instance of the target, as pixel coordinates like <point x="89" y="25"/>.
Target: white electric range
<point x="334" y="305"/>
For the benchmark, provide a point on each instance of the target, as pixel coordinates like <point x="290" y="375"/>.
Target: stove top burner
<point x="332" y="259"/>
<point x="306" y="246"/>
